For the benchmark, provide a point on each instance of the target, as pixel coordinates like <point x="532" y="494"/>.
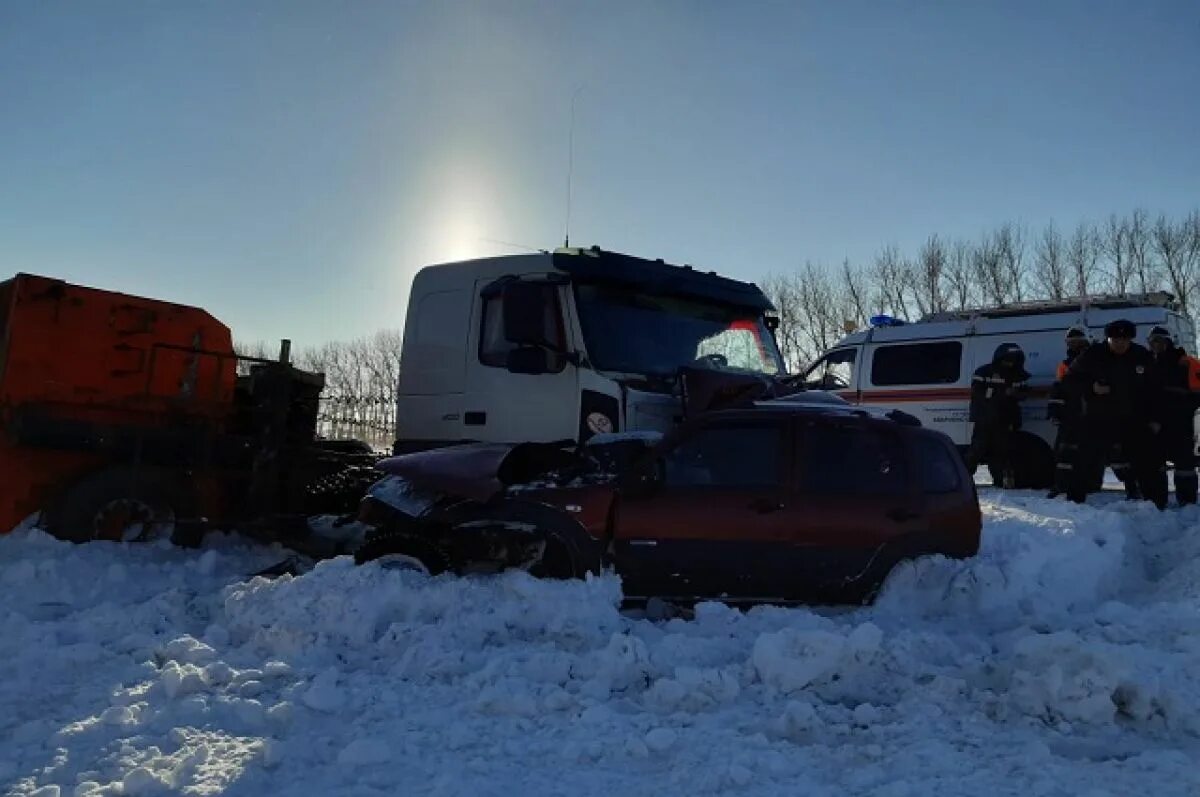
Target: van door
<point x="517" y="393"/>
<point x="926" y="378"/>
<point x="836" y="372"/>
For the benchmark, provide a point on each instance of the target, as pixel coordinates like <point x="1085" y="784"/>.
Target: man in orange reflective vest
<point x="1180" y="375"/>
<point x="1064" y="411"/>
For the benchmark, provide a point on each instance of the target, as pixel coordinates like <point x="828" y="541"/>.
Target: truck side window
<point x="494" y="349"/>
<point x="738" y="456"/>
<point x="841" y="459"/>
<point x="917" y="364"/>
<point x="834" y="371"/>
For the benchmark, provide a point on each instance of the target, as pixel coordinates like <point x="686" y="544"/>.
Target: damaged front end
<point x="476" y="508"/>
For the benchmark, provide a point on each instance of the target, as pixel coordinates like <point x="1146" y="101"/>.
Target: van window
<point x="939" y="470"/>
<point x="834" y="371"/>
<point x="917" y="364"/>
<point x="494" y="349"/>
<point x="842" y="459"/>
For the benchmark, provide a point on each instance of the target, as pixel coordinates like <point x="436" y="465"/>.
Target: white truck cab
<point x="925" y="367"/>
<point x="567" y="344"/>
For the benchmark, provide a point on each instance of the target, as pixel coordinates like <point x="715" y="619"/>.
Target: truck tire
<point x="119" y="504"/>
<point x="1033" y="464"/>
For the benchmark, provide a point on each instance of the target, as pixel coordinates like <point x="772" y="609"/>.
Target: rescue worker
<point x="1064" y="411"/>
<point x="1180" y="375"/>
<point x="1116" y="382"/>
<point x="996" y="392"/>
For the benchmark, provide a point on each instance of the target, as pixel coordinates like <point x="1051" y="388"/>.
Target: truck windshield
<point x="633" y="332"/>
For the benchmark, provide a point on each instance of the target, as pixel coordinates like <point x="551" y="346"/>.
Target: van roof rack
<point x="1107" y="301"/>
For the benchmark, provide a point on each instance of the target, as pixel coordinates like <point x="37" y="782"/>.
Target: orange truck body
<point x="81" y="367"/>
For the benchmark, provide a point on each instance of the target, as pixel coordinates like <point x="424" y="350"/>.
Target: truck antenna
<point x="570" y="164"/>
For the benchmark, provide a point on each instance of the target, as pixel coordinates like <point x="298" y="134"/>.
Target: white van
<point x="925" y="367"/>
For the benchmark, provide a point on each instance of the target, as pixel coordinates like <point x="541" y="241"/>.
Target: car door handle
<point x="901" y="515"/>
<point x="766" y="505"/>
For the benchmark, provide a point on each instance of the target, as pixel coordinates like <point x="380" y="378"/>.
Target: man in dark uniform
<point x="996" y="392"/>
<point x="1180" y="375"/>
<point x="1064" y="411"/>
<point x="1117" y="384"/>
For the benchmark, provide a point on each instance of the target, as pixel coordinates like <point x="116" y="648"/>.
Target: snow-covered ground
<point x="1064" y="660"/>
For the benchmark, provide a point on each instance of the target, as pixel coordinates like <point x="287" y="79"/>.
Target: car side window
<point x="939" y="471"/>
<point x="735" y="455"/>
<point x="851" y="459"/>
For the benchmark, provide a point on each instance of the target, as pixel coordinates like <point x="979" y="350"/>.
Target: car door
<point x="718" y="510"/>
<point x="855" y="498"/>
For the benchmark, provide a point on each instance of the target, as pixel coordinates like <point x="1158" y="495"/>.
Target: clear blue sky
<point x="288" y="165"/>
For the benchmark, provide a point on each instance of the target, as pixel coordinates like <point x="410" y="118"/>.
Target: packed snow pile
<point x="1064" y="660"/>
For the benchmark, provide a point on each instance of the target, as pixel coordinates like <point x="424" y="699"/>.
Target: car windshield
<point x="633" y="332"/>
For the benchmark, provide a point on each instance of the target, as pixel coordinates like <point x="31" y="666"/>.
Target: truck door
<point x="526" y="390"/>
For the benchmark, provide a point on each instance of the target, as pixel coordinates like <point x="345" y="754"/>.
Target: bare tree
<point x="889" y="277"/>
<point x="987" y="263"/>
<point x="928" y="274"/>
<point x="1174" y="244"/>
<point x="1010" y="250"/>
<point x="1114" y="243"/>
<point x="1050" y="266"/>
<point x="961" y="283"/>
<point x="1141" y="251"/>
<point x="857" y="293"/>
<point x="246" y="348"/>
<point x="1083" y="250"/>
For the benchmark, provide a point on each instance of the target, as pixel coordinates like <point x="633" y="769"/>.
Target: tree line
<point x="1130" y="253"/>
<point x="361" y="377"/>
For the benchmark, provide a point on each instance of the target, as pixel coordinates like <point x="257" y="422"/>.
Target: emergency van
<point x="925" y="367"/>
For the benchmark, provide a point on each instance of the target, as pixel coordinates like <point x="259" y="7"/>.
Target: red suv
<point x="782" y="502"/>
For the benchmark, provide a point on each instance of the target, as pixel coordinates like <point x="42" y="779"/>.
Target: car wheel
<point x="402" y="551"/>
<point x="558" y="559"/>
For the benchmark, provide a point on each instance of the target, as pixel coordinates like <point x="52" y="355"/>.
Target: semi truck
<point x="567" y="344"/>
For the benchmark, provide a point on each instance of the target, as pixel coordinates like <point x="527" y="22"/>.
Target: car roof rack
<point x="1106" y="301"/>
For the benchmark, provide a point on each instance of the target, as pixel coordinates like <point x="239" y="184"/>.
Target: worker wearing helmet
<point x="1064" y="411"/>
<point x="996" y="392"/>
<point x="1117" y="384"/>
<point x="1180" y="376"/>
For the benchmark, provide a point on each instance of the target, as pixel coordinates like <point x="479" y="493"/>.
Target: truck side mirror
<point x="531" y="360"/>
<point x="525" y="313"/>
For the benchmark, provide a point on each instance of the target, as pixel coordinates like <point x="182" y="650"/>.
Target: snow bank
<point x="1059" y="661"/>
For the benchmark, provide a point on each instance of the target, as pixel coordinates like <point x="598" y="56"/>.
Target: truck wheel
<point x="119" y="505"/>
<point x="402" y="551"/>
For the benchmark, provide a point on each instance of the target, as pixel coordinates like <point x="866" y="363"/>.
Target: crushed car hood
<point x="480" y="471"/>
